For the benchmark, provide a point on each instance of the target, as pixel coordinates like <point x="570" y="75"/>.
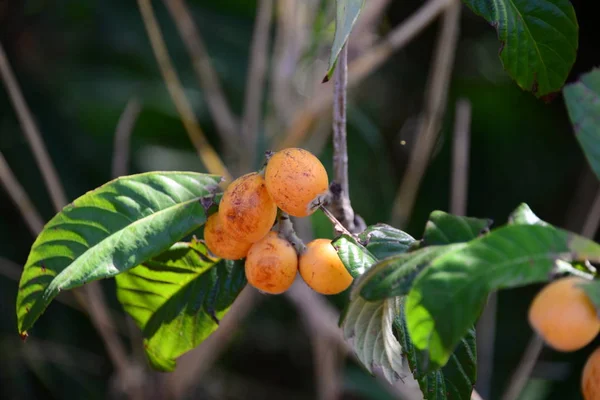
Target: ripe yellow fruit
<point x="564" y="316"/>
<point x="322" y="269"/>
<point x="271" y="264"/>
<point x="295" y="178"/>
<point x="590" y="378"/>
<point x="220" y="243"/>
<point x="247" y="211"/>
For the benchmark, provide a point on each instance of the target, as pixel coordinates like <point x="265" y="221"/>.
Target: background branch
<point x="255" y="81"/>
<point x="435" y="104"/>
<point x="34" y="221"/>
<point x="225" y="120"/>
<point x="123" y="136"/>
<point x="207" y="154"/>
<point x="32" y="133"/>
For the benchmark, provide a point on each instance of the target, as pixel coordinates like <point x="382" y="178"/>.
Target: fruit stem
<point x="337" y="225"/>
<point x="286" y="229"/>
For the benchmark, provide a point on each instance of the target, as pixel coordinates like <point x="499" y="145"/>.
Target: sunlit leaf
<point x="177" y="299"/>
<point x="444" y="228"/>
<point x="448" y="296"/>
<point x="110" y="230"/>
<point x="346" y="15"/>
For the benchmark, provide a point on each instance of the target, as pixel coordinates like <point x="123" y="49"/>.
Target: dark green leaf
<point x="367" y="326"/>
<point x="539" y="40"/>
<point x="177" y="298"/>
<point x="394" y="276"/>
<point x="523" y="215"/>
<point x="356" y="258"/>
<point x="448" y="296"/>
<point x="110" y="230"/>
<point x="444" y="228"/>
<point x="583" y="104"/>
<point x="383" y="240"/>
<point x="455" y="380"/>
<point x="346" y="15"/>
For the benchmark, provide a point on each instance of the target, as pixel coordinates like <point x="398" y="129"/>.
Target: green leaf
<point x="523" y="215"/>
<point x="110" y="230"/>
<point x="539" y="40"/>
<point x="367" y="326"/>
<point x="592" y="290"/>
<point x="356" y="258"/>
<point x="455" y="380"/>
<point x="583" y="104"/>
<point x="448" y="296"/>
<point x="177" y="298"/>
<point x="383" y="240"/>
<point x="394" y="276"/>
<point x="346" y="15"/>
<point x="444" y="228"/>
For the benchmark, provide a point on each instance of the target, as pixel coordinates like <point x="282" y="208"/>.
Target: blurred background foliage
<point x="79" y="62"/>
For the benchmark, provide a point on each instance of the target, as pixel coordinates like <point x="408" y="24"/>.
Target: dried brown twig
<point x="207" y="154"/>
<point x="255" y="81"/>
<point x="433" y="112"/>
<point x="225" y="121"/>
<point x="122" y="137"/>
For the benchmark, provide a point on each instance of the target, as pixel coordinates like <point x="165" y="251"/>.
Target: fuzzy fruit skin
<point x="563" y="315"/>
<point x="322" y="269"/>
<point x="295" y="177"/>
<point x="590" y="378"/>
<point x="271" y="264"/>
<point x="220" y="243"/>
<point x="247" y="211"/>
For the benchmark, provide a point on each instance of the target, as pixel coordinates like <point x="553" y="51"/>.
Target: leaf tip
<point x="326" y="78"/>
<point x="23" y="335"/>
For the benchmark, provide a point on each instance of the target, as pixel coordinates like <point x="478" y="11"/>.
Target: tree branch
<point x="255" y="82"/>
<point x="207" y="154"/>
<point x="435" y="104"/>
<point x="341" y="206"/>
<point x="225" y="120"/>
<point x="32" y="133"/>
<point x="460" y="158"/>
<point x="122" y="137"/>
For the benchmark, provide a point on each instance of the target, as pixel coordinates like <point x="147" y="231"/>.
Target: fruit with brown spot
<point x="247" y="211"/>
<point x="563" y="315"/>
<point x="296" y="179"/>
<point x="271" y="264"/>
<point x="222" y="244"/>
<point x="322" y="269"/>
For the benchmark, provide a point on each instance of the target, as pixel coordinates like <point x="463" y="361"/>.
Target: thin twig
<point x="34" y="221"/>
<point x="122" y="137"/>
<point x="362" y="67"/>
<point x="207" y="154"/>
<point x="521" y="375"/>
<point x="94" y="303"/>
<point x="337" y="225"/>
<point x="225" y="120"/>
<point x="460" y="158"/>
<point x="32" y="133"/>
<point x="485" y="340"/>
<point x="255" y="81"/>
<point x="433" y="113"/>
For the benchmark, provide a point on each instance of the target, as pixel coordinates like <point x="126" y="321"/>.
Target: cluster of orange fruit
<point x="295" y="181"/>
<point x="563" y="315"/>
